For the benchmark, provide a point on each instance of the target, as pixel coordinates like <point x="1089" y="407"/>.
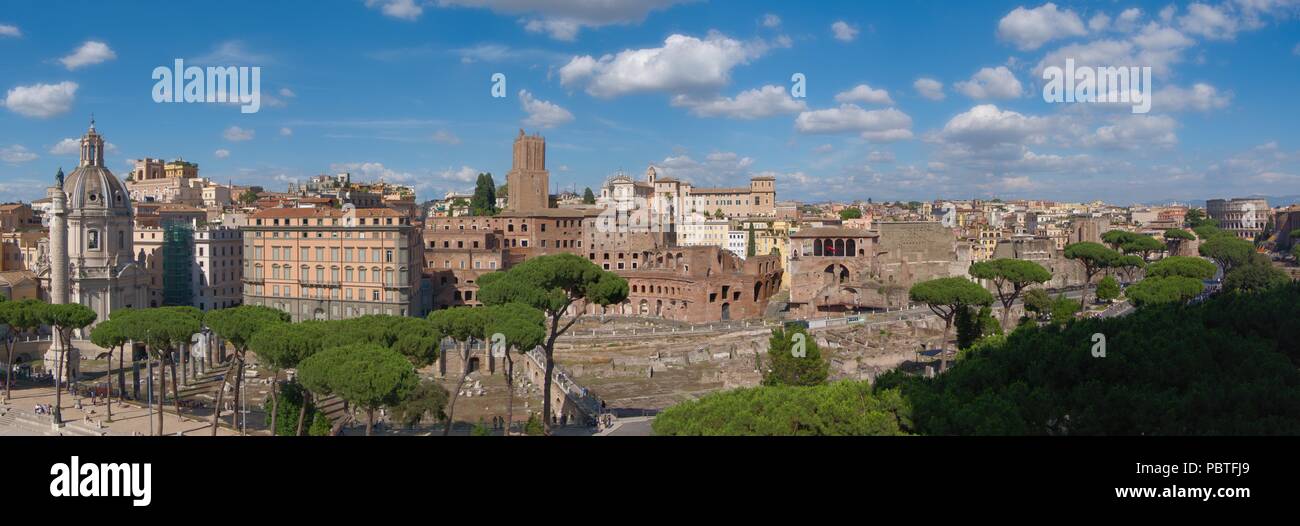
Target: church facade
<point x="88" y="257"/>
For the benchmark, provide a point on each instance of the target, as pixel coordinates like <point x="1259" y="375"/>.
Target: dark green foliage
<point x="1229" y="252"/>
<point x="291" y="398"/>
<point x="1216" y="368"/>
<point x="484" y="201"/>
<point x="787" y="369"/>
<point x="974" y="323"/>
<point x="1191" y="267"/>
<point x="237" y="325"/>
<point x="1254" y="278"/>
<point x="1210" y="231"/>
<point x="1117" y="238"/>
<point x="1179" y="234"/>
<point x="366" y="375"/>
<point x="1108" y="288"/>
<point x="588" y="198"/>
<point x="1010" y="277"/>
<point x="1039" y="302"/>
<point x="1196" y="217"/>
<point x="840" y="408"/>
<point x="427" y="400"/>
<point x="851" y="213"/>
<point x="1170" y="289"/>
<point x="534" y="426"/>
<point x="320" y="426"/>
<point x="1094" y="258"/>
<point x="1064" y="309"/>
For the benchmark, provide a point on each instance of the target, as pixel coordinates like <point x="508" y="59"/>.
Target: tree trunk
<point x="121" y="371"/>
<point x="162" y="391"/>
<point x="238" y="418"/>
<point x="464" y="372"/>
<point x="185" y="362"/>
<point x="546" y="387"/>
<point x="221" y="393"/>
<point x="370" y="420"/>
<point x="275" y="400"/>
<point x="109" y="384"/>
<point x="9" y="363"/>
<point x="58" y="387"/>
<point x="176" y="393"/>
<point x="943" y="346"/>
<point x="510" y="393"/>
<point x="302" y="412"/>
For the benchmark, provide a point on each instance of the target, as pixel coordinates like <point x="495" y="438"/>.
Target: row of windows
<point x="305" y="253"/>
<point x="320" y="221"/>
<point x="362" y="274"/>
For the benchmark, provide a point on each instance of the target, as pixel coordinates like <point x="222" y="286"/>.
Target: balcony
<point x="318" y="283"/>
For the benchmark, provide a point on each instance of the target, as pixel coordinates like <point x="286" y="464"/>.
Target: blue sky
<point x="903" y="100"/>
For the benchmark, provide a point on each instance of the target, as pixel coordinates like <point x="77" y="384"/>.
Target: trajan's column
<point x="59" y="274"/>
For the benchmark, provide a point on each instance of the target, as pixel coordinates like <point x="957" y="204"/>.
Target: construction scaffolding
<point x="178" y="263"/>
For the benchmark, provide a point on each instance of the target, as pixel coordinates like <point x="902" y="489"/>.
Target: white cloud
<point x="17" y="153"/>
<point x="1214" y="23"/>
<point x="876" y="125"/>
<point x="221" y="153"/>
<point x="66" y="147"/>
<point x="1154" y="45"/>
<point x="10" y="31"/>
<point x="865" y="94"/>
<point x="563" y="19"/>
<point x="464" y="174"/>
<point x="683" y="64"/>
<point x="1131" y="132"/>
<point x="72" y="146"/>
<point x="1200" y="97"/>
<point x="1099" y="22"/>
<point x="41" y="100"/>
<point x="287" y="93"/>
<point x="400" y="9"/>
<point x="445" y="137"/>
<point x="1128" y="20"/>
<point x="843" y="31"/>
<point x="825" y="148"/>
<point x="1167" y="14"/>
<point x="1029" y="29"/>
<point x="230" y="53"/>
<point x="986" y="126"/>
<point x="771" y="20"/>
<point x="558" y="29"/>
<point x="717" y="168"/>
<point x="752" y="104"/>
<point x="237" y="134"/>
<point x="542" y="114"/>
<point x="991" y="83"/>
<point x="929" y="88"/>
<point x="879" y="156"/>
<point x="286" y="131"/>
<point x="89" y="53"/>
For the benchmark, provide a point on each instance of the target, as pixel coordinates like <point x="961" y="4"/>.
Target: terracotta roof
<point x="551" y="212"/>
<point x="279" y="213"/>
<point x="827" y="231"/>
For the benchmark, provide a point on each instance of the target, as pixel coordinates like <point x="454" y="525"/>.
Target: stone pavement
<point x="128" y="418"/>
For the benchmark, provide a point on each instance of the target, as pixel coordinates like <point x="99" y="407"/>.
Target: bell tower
<point x="92" y="147"/>
<point x="528" y="180"/>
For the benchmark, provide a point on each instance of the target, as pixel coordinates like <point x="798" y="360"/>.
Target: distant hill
<point x="1275" y="202"/>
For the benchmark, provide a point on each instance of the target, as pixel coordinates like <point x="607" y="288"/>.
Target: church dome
<point x="94" y="187"/>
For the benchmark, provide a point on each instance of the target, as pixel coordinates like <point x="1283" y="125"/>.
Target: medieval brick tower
<point x="528" y="180"/>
